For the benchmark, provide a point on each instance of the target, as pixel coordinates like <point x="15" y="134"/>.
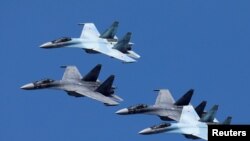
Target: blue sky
<point x="184" y="44"/>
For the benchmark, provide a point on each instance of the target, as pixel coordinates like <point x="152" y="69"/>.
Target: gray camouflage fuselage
<point x="168" y="113"/>
<point x="165" y="106"/>
<point x="67" y="85"/>
<point x="76" y="85"/>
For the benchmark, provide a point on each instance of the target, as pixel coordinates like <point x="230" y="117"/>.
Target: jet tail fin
<point x="111" y="31"/>
<point x="227" y="121"/>
<point x="210" y="115"/>
<point x="185" y="99"/>
<point x="200" y="108"/>
<point x="93" y="75"/>
<point x="123" y="45"/>
<point x="132" y="54"/>
<point x="106" y="87"/>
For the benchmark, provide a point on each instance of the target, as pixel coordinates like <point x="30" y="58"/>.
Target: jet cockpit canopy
<point x="138" y="106"/>
<point x="162" y="125"/>
<point x="61" y="40"/>
<point x="44" y="81"/>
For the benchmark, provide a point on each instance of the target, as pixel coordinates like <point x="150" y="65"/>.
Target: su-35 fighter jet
<point x="165" y="106"/>
<point x="94" y="42"/>
<point x="189" y="124"/>
<point x="75" y="85"/>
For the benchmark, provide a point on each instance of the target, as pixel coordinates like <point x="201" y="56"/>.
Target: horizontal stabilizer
<point x="200" y="108"/>
<point x="93" y="75"/>
<point x="106" y="87"/>
<point x="117" y="98"/>
<point x="132" y="54"/>
<point x="185" y="99"/>
<point x="111" y="31"/>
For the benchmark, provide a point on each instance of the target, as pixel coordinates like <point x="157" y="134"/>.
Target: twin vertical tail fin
<point x="185" y="99"/>
<point x="210" y="115"/>
<point x="126" y="38"/>
<point x="227" y="121"/>
<point x="93" y="75"/>
<point x="200" y="108"/>
<point x="124" y="44"/>
<point x="111" y="31"/>
<point x="106" y="87"/>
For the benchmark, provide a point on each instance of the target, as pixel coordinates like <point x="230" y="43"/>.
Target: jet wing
<point x="89" y="31"/>
<point x="170" y="114"/>
<point x="191" y="119"/>
<point x="111" y="31"/>
<point x="71" y="72"/>
<point x="132" y="54"/>
<point x="114" y="54"/>
<point x="97" y="96"/>
<point x="164" y="98"/>
<point x="201" y="132"/>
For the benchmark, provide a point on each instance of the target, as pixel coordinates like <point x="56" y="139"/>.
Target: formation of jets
<point x="185" y="119"/>
<point x="191" y="122"/>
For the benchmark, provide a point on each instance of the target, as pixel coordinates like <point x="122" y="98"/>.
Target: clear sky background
<point x="199" y="44"/>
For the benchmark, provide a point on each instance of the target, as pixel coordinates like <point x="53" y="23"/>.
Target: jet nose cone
<point x="46" y="45"/>
<point x="28" y="86"/>
<point x="145" y="131"/>
<point x="122" y="111"/>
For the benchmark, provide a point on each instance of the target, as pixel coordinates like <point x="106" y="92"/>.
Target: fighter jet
<point x="93" y="42"/>
<point x="75" y="85"/>
<point x="188" y="124"/>
<point x="165" y="106"/>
